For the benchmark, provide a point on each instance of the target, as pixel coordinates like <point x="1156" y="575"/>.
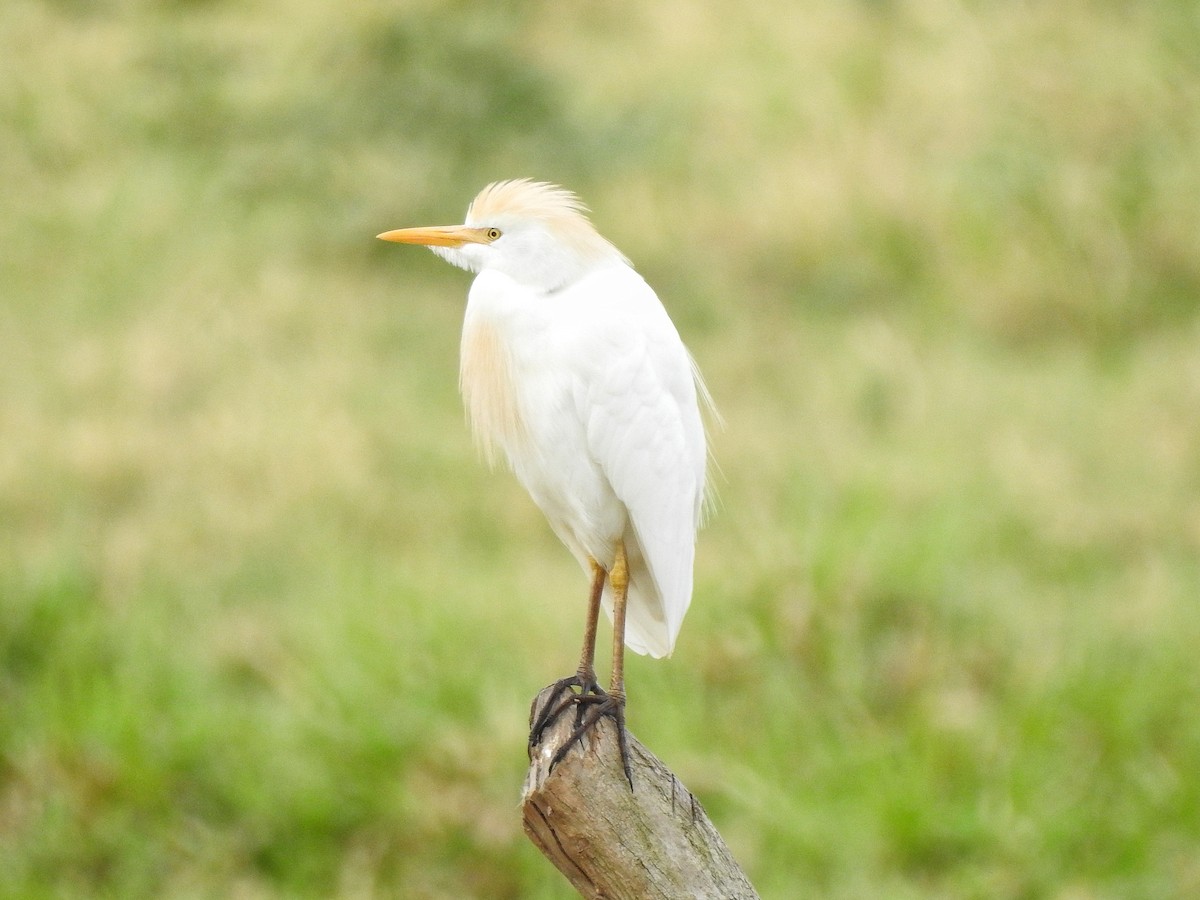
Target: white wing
<point x="644" y="431"/>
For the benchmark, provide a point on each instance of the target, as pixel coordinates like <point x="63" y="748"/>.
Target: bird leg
<point x="619" y="579"/>
<point x="599" y="703"/>
<point x="564" y="694"/>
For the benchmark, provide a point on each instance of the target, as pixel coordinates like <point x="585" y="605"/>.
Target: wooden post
<point x="652" y="842"/>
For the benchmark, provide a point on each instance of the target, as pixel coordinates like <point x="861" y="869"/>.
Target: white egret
<point x="571" y="368"/>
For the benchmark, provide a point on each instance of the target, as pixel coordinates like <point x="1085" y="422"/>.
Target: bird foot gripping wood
<point x="564" y="693"/>
<point x="591" y="703"/>
<point x="609" y="841"/>
<point x="598" y="708"/>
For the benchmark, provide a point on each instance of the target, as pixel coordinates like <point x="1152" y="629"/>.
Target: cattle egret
<point x="571" y="368"/>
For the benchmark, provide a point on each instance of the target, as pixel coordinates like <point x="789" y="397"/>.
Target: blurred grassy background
<point x="269" y="629"/>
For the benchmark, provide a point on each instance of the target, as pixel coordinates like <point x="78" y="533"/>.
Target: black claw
<point x="588" y="690"/>
<point x="599" y="707"/>
<point x="592" y="703"/>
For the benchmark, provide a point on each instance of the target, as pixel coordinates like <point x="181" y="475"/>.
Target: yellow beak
<point x="437" y="236"/>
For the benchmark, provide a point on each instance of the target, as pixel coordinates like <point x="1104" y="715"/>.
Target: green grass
<point x="269" y="629"/>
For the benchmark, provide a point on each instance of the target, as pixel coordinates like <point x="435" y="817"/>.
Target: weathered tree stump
<point x="652" y="842"/>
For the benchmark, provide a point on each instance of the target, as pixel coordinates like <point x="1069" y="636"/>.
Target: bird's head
<point x="535" y="233"/>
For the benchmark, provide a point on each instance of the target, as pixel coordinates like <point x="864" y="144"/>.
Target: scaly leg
<point x="619" y="579"/>
<point x="613" y="703"/>
<point x="585" y="676"/>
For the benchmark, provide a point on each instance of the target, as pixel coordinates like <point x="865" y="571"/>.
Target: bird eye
<point x="493" y="234"/>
